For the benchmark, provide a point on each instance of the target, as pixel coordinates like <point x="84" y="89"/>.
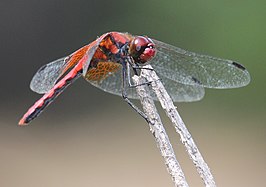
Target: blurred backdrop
<point x="91" y="138"/>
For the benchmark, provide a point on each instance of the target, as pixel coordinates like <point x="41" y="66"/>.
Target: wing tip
<point x="240" y="66"/>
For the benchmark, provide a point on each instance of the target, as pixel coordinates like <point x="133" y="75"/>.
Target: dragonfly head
<point x="142" y="49"/>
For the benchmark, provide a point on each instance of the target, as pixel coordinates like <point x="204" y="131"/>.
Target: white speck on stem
<point x="159" y="133"/>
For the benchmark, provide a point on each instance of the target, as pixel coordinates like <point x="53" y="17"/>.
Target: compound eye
<point x="142" y="49"/>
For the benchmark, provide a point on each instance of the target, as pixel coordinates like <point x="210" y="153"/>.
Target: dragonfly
<point x="112" y="59"/>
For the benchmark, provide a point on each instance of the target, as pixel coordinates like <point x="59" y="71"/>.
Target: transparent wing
<point x="190" y="68"/>
<point x="179" y="92"/>
<point x="183" y="92"/>
<point x="45" y="78"/>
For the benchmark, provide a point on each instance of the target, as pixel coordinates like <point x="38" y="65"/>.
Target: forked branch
<point x="161" y="138"/>
<point x="172" y="113"/>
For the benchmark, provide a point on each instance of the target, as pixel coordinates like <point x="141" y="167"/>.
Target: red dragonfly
<point x="103" y="61"/>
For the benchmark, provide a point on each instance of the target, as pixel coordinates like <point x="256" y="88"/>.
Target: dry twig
<point x="160" y="135"/>
<point x="186" y="138"/>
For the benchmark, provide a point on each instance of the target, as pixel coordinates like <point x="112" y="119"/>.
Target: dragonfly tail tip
<point x="22" y="122"/>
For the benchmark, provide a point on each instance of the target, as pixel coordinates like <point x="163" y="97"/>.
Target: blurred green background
<point x="91" y="138"/>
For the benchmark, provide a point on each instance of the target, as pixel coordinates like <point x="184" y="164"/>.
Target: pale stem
<point x="158" y="131"/>
<point x="186" y="138"/>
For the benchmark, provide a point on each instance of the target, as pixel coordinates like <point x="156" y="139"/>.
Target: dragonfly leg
<point x="135" y="67"/>
<point x="124" y="94"/>
<point x="138" y="67"/>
